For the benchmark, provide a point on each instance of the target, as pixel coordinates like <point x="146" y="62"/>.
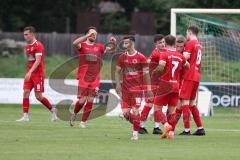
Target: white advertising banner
<point x="11" y="92"/>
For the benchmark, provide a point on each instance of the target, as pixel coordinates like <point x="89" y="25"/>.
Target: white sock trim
<point x="156" y="125"/>
<point x="187" y="129"/>
<point x="142" y="124"/>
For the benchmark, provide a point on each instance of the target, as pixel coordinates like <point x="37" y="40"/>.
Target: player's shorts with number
<point x="170" y="99"/>
<point x="129" y="101"/>
<point x="36" y="82"/>
<point x="88" y="88"/>
<point x="189" y="89"/>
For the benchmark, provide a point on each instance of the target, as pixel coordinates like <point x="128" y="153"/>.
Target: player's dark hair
<point x="130" y="37"/>
<point x="170" y="40"/>
<point x="194" y="29"/>
<point x="91" y="27"/>
<point x="158" y="37"/>
<point x="31" y="29"/>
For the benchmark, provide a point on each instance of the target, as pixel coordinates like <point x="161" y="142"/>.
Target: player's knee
<point x="82" y="100"/>
<point x="126" y="114"/>
<point x="26" y="94"/>
<point x="171" y="109"/>
<point x="157" y="108"/>
<point x="90" y="99"/>
<point x="149" y="105"/>
<point x="185" y="102"/>
<point x="38" y="97"/>
<point x="192" y="103"/>
<point x="135" y="111"/>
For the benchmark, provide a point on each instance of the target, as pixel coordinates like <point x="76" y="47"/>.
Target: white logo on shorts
<point x="38" y="86"/>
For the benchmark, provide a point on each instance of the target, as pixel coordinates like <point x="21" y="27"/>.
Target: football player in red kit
<point x="34" y="77"/>
<point x="193" y="52"/>
<point x="90" y="60"/>
<point x="180" y="42"/>
<point x="170" y="65"/>
<point x="154" y="60"/>
<point x="132" y="66"/>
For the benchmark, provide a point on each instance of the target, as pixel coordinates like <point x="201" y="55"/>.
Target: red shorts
<point x="88" y="88"/>
<point x="189" y="89"/>
<point x="170" y="99"/>
<point x="36" y="82"/>
<point x="130" y="100"/>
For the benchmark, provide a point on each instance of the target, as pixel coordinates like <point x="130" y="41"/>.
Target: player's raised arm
<point x="111" y="45"/>
<point x="186" y="55"/>
<point x="159" y="69"/>
<point x="78" y="41"/>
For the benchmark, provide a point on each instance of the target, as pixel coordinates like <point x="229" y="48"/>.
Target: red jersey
<point x="132" y="68"/>
<point x="32" y="50"/>
<point x="154" y="60"/>
<point x="194" y="49"/>
<point x="174" y="64"/>
<point x="90" y="61"/>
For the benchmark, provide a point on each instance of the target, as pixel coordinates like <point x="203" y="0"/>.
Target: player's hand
<point x="91" y="32"/>
<point x="155" y="72"/>
<point x="149" y="94"/>
<point x="112" y="40"/>
<point x="28" y="75"/>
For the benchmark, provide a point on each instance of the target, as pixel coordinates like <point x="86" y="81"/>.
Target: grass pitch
<point x="108" y="138"/>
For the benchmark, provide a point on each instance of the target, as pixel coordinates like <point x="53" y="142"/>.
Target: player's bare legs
<point x="25" y="106"/>
<point x="78" y="106"/>
<point x="47" y="104"/>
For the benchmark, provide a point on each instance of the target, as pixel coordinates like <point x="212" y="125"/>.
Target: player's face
<point x="127" y="44"/>
<point x="160" y="44"/>
<point x="28" y="36"/>
<point x="179" y="47"/>
<point x="92" y="37"/>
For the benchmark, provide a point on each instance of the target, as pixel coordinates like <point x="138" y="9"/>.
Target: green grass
<point x="109" y="138"/>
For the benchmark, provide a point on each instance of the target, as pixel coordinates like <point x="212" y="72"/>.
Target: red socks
<point x="25" y="105"/>
<point x="87" y="111"/>
<point x="134" y="119"/>
<point x="172" y="120"/>
<point x="178" y="114"/>
<point x="46" y="103"/>
<point x="196" y="116"/>
<point x="145" y="113"/>
<point x="136" y="122"/>
<point x="186" y="116"/>
<point x="162" y="117"/>
<point x="157" y="115"/>
<point x="78" y="107"/>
